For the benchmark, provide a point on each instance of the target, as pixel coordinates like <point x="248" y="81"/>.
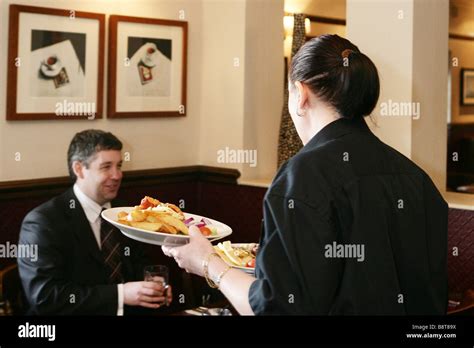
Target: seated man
<point x="84" y="265"/>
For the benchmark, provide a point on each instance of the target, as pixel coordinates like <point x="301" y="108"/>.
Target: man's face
<point x="101" y="180"/>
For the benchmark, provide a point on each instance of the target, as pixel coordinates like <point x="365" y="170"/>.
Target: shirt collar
<point x="91" y="208"/>
<point x="336" y="129"/>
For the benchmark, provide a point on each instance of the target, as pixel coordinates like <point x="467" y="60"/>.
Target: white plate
<point x="248" y="270"/>
<point x="159" y="238"/>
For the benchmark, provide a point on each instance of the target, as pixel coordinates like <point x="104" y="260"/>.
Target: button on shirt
<point x="92" y="211"/>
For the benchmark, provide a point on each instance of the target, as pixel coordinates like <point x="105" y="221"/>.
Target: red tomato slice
<point x="205" y="231"/>
<point x="145" y="203"/>
<point x="251" y="263"/>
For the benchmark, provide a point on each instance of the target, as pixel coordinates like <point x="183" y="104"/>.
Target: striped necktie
<point x="110" y="245"/>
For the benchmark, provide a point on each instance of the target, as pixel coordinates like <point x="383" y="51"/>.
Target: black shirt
<point x="351" y="227"/>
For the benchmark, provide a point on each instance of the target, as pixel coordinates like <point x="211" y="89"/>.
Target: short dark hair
<point x="86" y="144"/>
<point x="337" y="73"/>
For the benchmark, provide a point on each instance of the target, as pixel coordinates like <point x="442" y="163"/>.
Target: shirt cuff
<point x="120" y="299"/>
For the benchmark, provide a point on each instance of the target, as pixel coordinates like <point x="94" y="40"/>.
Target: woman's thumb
<point x="194" y="231"/>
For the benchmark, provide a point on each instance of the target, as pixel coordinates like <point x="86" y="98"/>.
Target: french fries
<point x="153" y="215"/>
<point x="151" y="226"/>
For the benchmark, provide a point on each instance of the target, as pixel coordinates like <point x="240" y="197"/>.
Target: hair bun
<point x="353" y="92"/>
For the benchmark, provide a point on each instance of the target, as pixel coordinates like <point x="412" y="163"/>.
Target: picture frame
<point x="147" y="67"/>
<point x="467" y="87"/>
<point x="55" y="64"/>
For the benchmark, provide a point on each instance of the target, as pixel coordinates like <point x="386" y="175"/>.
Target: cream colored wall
<point x="430" y="75"/>
<point x="390" y="47"/>
<point x="222" y="83"/>
<point x="463" y="50"/>
<point x="264" y="79"/>
<point x="152" y="143"/>
<point x="217" y="100"/>
<point x="242" y="81"/>
<point x="324" y="28"/>
<point x="322" y="8"/>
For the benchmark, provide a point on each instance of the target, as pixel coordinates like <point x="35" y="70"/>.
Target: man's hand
<point x="146" y="294"/>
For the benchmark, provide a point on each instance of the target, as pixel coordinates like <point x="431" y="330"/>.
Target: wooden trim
<point x="461" y="37"/>
<point x="48" y="186"/>
<point x="12" y="70"/>
<point x="112" y="67"/>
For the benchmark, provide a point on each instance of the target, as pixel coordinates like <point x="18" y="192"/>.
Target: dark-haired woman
<point x="351" y="226"/>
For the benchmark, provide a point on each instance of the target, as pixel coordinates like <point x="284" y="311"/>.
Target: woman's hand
<point x="191" y="255"/>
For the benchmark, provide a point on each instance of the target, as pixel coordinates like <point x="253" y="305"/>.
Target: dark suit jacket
<point x="69" y="275"/>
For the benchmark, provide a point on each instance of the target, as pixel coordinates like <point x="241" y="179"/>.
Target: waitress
<point x="351" y="226"/>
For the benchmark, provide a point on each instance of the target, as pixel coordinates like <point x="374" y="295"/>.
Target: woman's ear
<point x="303" y="98"/>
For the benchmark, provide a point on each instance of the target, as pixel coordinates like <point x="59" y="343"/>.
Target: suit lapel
<point x="82" y="227"/>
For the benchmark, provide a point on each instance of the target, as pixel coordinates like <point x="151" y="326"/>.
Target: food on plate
<point x="241" y="255"/>
<point x="156" y="216"/>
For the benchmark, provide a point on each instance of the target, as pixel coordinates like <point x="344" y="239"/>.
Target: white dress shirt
<point x="92" y="211"/>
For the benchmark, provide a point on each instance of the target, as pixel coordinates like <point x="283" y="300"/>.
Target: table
<point x="466" y="304"/>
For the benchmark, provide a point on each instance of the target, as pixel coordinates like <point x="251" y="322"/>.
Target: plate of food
<point x="159" y="223"/>
<point x="238" y="255"/>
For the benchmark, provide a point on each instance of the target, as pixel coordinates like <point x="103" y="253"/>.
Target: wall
<point x="220" y="113"/>
<point x="264" y="84"/>
<point x="463" y="50"/>
<point x="461" y="19"/>
<point x="325" y="28"/>
<point x="243" y="83"/>
<point x="152" y="143"/>
<point x="429" y="132"/>
<point x="222" y="84"/>
<point x="322" y="8"/>
<point x="390" y="48"/>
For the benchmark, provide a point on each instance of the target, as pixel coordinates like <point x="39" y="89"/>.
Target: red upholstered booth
<point x="212" y="192"/>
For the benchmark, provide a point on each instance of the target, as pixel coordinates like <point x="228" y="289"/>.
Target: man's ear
<point x="303" y="96"/>
<point x="77" y="168"/>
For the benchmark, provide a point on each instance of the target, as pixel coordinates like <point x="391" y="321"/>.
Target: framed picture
<point x="55" y="64"/>
<point x="467" y="87"/>
<point x="147" y="67"/>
